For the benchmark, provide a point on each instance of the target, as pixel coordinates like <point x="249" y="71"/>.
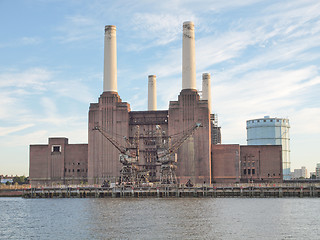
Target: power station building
<point x="200" y="157"/>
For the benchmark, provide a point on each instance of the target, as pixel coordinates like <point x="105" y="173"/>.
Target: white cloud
<point x="78" y="28"/>
<point x="8" y="130"/>
<point x="35" y="78"/>
<point x="30" y="40"/>
<point x="161" y="29"/>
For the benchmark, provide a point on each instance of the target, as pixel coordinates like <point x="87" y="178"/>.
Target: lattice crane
<point x="167" y="157"/>
<point x="129" y="157"/>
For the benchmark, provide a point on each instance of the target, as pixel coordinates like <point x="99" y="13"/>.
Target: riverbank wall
<point x="175" y="191"/>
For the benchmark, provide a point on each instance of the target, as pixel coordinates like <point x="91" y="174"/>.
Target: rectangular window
<point x="244" y="171"/>
<point x="56" y="148"/>
<point x="249" y="171"/>
<point x="253" y="171"/>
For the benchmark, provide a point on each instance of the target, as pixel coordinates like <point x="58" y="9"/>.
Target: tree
<point x="20" y="180"/>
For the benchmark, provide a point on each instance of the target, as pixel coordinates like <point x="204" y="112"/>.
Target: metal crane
<point x="168" y="157"/>
<point x="129" y="157"/>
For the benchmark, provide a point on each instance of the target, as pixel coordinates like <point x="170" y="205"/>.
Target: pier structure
<point x="179" y="191"/>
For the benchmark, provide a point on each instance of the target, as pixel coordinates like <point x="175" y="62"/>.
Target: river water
<point x="153" y="218"/>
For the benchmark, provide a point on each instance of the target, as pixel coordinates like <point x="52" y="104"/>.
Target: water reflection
<point x="189" y="218"/>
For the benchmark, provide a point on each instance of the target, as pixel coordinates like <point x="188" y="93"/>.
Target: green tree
<point x="20" y="180"/>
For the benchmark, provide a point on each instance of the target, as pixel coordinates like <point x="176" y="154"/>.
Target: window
<point x="78" y="170"/>
<point x="249" y="171"/>
<point x="244" y="171"/>
<point x="253" y="171"/>
<point x="56" y="148"/>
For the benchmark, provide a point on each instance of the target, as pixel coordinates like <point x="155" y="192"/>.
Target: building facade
<point x="299" y="173"/>
<point x="232" y="163"/>
<point x="58" y="162"/>
<point x="318" y="171"/>
<point x="271" y="131"/>
<point x="113" y="128"/>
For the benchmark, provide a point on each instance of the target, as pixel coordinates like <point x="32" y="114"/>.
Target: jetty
<point x="177" y="191"/>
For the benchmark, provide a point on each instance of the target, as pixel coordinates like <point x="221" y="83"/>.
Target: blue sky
<point x="264" y="57"/>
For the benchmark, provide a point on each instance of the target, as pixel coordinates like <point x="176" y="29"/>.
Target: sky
<point x="263" y="56"/>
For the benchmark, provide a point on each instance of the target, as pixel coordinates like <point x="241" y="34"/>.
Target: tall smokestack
<point x="110" y="59"/>
<point x="152" y="93"/>
<point x="188" y="57"/>
<point x="206" y="89"/>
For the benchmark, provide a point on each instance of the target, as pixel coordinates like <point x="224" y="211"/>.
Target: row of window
<point x="74" y="163"/>
<point x="77" y="170"/>
<point x="249" y="164"/>
<point x="249" y="171"/>
<point x="269" y="120"/>
<point x="253" y="172"/>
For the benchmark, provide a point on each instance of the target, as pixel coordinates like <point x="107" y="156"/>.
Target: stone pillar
<point x="188" y="57"/>
<point x="152" y="93"/>
<point x="110" y="60"/>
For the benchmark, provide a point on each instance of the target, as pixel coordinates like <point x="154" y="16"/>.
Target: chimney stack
<point x="152" y="93"/>
<point x="110" y="60"/>
<point x="206" y="89"/>
<point x="188" y="57"/>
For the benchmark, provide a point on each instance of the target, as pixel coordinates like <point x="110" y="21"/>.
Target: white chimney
<point x="110" y="59"/>
<point x="152" y="93"/>
<point x="188" y="57"/>
<point x="206" y="89"/>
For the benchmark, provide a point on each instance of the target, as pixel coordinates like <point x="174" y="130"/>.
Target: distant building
<point x="313" y="175"/>
<point x="299" y="173"/>
<point x="5" y="180"/>
<point x="271" y="131"/>
<point x="215" y="130"/>
<point x="318" y="171"/>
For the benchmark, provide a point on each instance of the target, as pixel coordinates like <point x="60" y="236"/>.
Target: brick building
<point x="199" y="159"/>
<point x="58" y="162"/>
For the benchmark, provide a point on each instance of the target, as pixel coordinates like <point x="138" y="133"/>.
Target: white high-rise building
<point x="271" y="131"/>
<point x="318" y="171"/>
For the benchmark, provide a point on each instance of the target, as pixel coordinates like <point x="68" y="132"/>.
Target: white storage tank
<point x="271" y="131"/>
